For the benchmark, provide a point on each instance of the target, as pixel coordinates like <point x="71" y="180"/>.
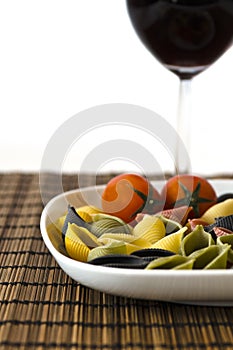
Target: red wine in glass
<point x="186" y="36"/>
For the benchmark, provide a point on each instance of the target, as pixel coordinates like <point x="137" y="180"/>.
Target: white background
<point x="58" y="58"/>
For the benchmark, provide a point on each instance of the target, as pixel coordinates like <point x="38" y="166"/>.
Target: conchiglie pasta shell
<point x="171" y="242"/>
<point x="171" y="226"/>
<point x="130" y="248"/>
<point x="124" y="237"/>
<point x="101" y="216"/>
<point x="220" y="261"/>
<point x="111" y="247"/>
<point x="55" y="237"/>
<point x="192" y="223"/>
<point x="151" y="229"/>
<point x="195" y="240"/>
<point x="140" y="242"/>
<point x="185" y="266"/>
<point x="221" y="231"/>
<point x="223" y="222"/>
<point x="60" y="222"/>
<point x="85" y="216"/>
<point x="75" y="247"/>
<point x="224" y="208"/>
<point x="212" y="257"/>
<point x="106" y="226"/>
<point x="228" y="239"/>
<point x="178" y="214"/>
<point x="168" y="262"/>
<point x="103" y="223"/>
<point x="89" y="209"/>
<point x="85" y="235"/>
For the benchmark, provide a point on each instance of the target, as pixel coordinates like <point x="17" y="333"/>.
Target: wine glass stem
<point x="183" y="127"/>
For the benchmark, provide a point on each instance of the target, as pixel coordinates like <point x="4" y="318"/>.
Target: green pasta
<point x="168" y="262"/>
<point x="212" y="257"/>
<point x="113" y="247"/>
<point x="103" y="223"/>
<point x="195" y="240"/>
<point x="229" y="240"/>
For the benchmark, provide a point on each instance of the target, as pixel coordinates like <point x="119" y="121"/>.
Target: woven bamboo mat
<point x="42" y="308"/>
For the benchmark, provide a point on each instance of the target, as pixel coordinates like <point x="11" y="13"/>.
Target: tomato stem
<point x="191" y="198"/>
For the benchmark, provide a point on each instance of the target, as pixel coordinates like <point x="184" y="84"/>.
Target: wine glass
<point x="186" y="36"/>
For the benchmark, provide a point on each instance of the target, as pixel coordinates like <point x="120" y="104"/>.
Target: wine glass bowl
<point x="186" y="36"/>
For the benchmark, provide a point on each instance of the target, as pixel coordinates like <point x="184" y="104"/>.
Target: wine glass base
<point x="186" y="72"/>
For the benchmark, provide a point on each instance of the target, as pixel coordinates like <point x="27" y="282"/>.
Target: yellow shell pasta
<point x="224" y="208"/>
<point x="74" y="245"/>
<point x="171" y="242"/>
<point x="86" y="212"/>
<point x="60" y="222"/>
<point x="55" y="237"/>
<point x="150" y="228"/>
<point x="171" y="226"/>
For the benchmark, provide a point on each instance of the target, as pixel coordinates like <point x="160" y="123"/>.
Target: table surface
<point x="42" y="308"/>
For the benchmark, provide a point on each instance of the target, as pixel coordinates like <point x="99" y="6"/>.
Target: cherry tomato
<point x="190" y="190"/>
<point x="126" y="195"/>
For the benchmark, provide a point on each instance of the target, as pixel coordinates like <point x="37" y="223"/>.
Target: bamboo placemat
<point x="42" y="308"/>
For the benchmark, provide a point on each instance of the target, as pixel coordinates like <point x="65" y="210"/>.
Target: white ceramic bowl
<point x="209" y="287"/>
